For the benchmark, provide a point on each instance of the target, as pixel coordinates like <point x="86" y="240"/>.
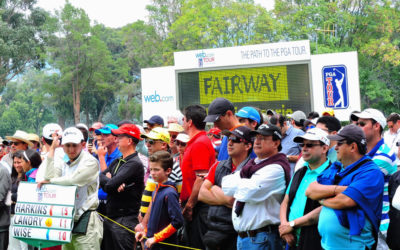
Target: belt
<point x="253" y="233"/>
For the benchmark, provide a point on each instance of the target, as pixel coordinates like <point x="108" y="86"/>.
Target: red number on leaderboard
<point x="62" y="235"/>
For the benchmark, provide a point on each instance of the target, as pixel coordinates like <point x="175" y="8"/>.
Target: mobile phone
<point x="90" y="141"/>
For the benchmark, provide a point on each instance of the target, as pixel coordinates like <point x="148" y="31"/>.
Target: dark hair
<point x="48" y="141"/>
<point x="261" y="118"/>
<point x="331" y="122"/>
<point x="164" y="158"/>
<point x="300" y="123"/>
<point x="362" y="149"/>
<point x="33" y="157"/>
<point x="14" y="174"/>
<point x="277" y="119"/>
<point x="312" y="115"/>
<point x="85" y="133"/>
<point x="197" y="114"/>
<point x="393" y="117"/>
<point x="380" y="126"/>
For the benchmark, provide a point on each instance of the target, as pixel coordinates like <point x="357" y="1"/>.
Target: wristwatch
<point x="291" y="223"/>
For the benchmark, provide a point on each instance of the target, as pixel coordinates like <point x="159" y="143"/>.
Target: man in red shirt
<point x="197" y="160"/>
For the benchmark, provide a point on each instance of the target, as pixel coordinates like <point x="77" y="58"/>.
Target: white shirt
<point x="391" y="140"/>
<point x="262" y="193"/>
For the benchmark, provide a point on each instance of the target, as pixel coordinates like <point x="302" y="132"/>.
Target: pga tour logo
<point x="205" y="59"/>
<point x="336" y="94"/>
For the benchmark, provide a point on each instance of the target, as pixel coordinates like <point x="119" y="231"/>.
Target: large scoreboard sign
<point x="285" y="88"/>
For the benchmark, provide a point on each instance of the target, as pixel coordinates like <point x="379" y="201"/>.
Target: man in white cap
<point x="299" y="214"/>
<point x="372" y="122"/>
<point x="81" y="170"/>
<point x="18" y="141"/>
<point x="47" y="139"/>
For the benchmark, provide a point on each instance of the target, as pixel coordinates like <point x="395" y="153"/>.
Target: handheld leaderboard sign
<point x="45" y="217"/>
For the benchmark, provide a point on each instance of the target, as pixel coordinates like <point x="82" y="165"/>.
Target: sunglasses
<point x="235" y="139"/>
<point x="179" y="143"/>
<point x="151" y="141"/>
<point x="16" y="143"/>
<point x="174" y="137"/>
<point x="340" y="143"/>
<point x="361" y="124"/>
<point x="308" y="145"/>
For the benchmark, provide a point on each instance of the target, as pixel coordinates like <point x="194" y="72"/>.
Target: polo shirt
<point x="300" y="200"/>
<point x="199" y="155"/>
<point x="382" y="155"/>
<point x="332" y="154"/>
<point x="109" y="159"/>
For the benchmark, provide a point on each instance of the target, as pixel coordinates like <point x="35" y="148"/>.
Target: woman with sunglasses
<point x="30" y="161"/>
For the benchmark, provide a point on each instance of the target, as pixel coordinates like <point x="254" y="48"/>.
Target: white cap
<point x="373" y="114"/>
<point x="182" y="137"/>
<point x="50" y="129"/>
<point x="82" y="125"/>
<point x="298" y="116"/>
<point x="314" y="134"/>
<point x="72" y="135"/>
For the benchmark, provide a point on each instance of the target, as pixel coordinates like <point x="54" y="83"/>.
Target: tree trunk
<point x="102" y="112"/>
<point x="61" y="121"/>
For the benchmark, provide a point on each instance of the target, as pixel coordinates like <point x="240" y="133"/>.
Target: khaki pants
<point x="92" y="239"/>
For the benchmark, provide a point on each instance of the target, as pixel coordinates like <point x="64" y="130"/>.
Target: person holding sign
<point x="81" y="170"/>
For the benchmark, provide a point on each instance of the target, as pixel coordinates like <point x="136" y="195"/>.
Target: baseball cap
<point x="82" y="125"/>
<point x="158" y="134"/>
<point x="314" y="134"/>
<point x="72" y="135"/>
<point x="328" y="111"/>
<point x="155" y="119"/>
<point x="127" y="129"/>
<point x="242" y="132"/>
<point x="352" y="133"/>
<point x="249" y="113"/>
<point x="106" y="130"/>
<point x="95" y="126"/>
<point x="175" y="127"/>
<point x="214" y="131"/>
<point x="49" y="129"/>
<point x="298" y="116"/>
<point x="182" y="137"/>
<point x="267" y="129"/>
<point x="217" y="108"/>
<point x="373" y="114"/>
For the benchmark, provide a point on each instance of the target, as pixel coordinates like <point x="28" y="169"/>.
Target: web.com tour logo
<point x="157" y="98"/>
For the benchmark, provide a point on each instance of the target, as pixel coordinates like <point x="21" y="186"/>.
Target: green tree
<point x="23" y="36"/>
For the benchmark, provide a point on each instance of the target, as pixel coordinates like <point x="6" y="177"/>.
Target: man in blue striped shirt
<point x="373" y="122"/>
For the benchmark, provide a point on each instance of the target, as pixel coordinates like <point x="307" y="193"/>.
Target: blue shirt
<point x="289" y="147"/>
<point x="109" y="159"/>
<point x="336" y="237"/>
<point x="364" y="187"/>
<point x="332" y="154"/>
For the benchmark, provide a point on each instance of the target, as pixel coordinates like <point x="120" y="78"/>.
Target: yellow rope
<point x="130" y="230"/>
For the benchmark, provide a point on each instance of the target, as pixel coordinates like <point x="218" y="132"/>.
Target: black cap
<point x="271" y="112"/>
<point x="241" y="132"/>
<point x="155" y="119"/>
<point x="267" y="129"/>
<point x="217" y="108"/>
<point x="351" y="133"/>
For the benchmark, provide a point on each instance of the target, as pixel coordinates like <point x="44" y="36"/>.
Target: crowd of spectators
<point x="219" y="178"/>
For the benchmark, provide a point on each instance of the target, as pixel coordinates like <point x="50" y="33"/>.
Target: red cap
<point x="128" y="129"/>
<point x="96" y="125"/>
<point x="214" y="131"/>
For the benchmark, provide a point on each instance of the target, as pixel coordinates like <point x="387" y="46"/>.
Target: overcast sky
<point x="116" y="13"/>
